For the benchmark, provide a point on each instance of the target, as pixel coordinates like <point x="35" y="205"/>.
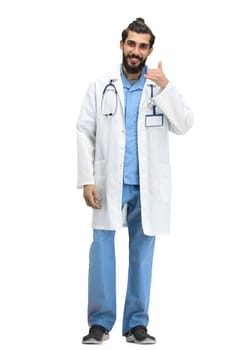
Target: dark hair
<point x="138" y="26"/>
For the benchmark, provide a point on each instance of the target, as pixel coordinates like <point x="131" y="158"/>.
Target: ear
<point x="150" y="51"/>
<point x="121" y="44"/>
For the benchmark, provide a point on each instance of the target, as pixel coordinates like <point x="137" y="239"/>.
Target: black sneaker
<point x="139" y="335"/>
<point x="97" y="334"/>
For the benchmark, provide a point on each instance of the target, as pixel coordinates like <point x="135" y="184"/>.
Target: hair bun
<point x="140" y="19"/>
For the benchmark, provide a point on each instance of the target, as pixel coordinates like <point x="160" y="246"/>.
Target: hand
<point x="91" y="197"/>
<point x="157" y="76"/>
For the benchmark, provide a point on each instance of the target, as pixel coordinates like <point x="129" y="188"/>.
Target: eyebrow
<point x="130" y="41"/>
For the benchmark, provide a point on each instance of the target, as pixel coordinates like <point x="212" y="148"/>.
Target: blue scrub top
<point x="132" y="94"/>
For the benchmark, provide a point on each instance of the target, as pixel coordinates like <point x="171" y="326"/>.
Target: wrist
<point x="165" y="83"/>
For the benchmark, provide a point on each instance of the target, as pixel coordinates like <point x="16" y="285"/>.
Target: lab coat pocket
<point x="165" y="182"/>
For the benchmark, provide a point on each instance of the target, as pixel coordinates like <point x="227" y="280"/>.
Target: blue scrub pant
<point x="102" y="271"/>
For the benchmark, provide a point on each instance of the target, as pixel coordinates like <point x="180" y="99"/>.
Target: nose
<point x="136" y="50"/>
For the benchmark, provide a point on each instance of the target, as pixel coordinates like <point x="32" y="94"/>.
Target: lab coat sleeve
<point x="86" y="131"/>
<point x="172" y="103"/>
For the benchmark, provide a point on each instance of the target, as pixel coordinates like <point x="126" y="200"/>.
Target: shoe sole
<point x="94" y="341"/>
<point x="132" y="339"/>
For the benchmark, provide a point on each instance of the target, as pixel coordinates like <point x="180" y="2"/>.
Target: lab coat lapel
<point x="120" y="91"/>
<point x="116" y="79"/>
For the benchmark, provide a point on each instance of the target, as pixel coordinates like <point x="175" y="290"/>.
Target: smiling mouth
<point x="134" y="60"/>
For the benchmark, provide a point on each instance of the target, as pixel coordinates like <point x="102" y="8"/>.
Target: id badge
<point x="154" y="120"/>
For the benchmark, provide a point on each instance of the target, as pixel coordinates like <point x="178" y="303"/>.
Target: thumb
<point x="95" y="196"/>
<point x="160" y="66"/>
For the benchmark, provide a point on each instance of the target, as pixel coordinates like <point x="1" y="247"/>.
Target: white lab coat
<point x="101" y="146"/>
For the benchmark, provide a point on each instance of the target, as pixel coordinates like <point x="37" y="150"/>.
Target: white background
<point x="50" y="51"/>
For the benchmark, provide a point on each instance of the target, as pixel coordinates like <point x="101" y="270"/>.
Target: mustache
<point x="134" y="56"/>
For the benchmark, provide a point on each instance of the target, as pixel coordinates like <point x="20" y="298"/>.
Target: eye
<point x="131" y="43"/>
<point x="144" y="46"/>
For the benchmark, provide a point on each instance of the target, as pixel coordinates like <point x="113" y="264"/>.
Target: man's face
<point x="136" y="49"/>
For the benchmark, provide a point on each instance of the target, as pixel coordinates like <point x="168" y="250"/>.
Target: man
<point x="124" y="170"/>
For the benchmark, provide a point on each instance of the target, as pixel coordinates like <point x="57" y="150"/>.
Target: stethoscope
<point x="109" y="98"/>
<point x="151" y="101"/>
<point x="109" y="101"/>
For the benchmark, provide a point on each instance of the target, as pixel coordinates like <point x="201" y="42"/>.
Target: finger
<point x="94" y="205"/>
<point x="160" y="66"/>
<point x="95" y="196"/>
<point x="92" y="202"/>
<point x="151" y="71"/>
<point x="87" y="199"/>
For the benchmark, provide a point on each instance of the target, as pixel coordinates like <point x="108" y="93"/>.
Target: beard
<point x="130" y="68"/>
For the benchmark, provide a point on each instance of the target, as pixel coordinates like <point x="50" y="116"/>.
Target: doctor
<point x="124" y="171"/>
